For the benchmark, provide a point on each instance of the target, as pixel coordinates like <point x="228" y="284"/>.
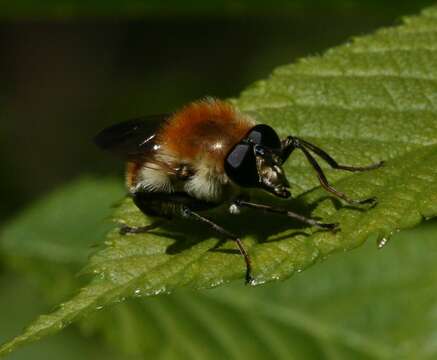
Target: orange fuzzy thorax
<point x="208" y="128"/>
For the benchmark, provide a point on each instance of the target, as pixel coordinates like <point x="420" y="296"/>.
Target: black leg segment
<point x="279" y="210"/>
<point x="194" y="215"/>
<point x="291" y="143"/>
<point x="325" y="156"/>
<point x="181" y="205"/>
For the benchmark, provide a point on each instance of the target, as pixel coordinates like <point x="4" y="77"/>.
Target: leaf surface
<point x="20" y="301"/>
<point x="294" y="319"/>
<point x="347" y="307"/>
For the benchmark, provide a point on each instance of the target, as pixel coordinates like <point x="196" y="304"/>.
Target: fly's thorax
<point x="208" y="127"/>
<point x="202" y="178"/>
<point x="209" y="182"/>
<point x="154" y="178"/>
<point x="153" y="174"/>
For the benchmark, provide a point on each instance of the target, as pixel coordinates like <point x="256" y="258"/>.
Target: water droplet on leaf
<point x="380" y="243"/>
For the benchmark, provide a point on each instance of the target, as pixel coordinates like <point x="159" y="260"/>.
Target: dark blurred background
<point x="65" y="77"/>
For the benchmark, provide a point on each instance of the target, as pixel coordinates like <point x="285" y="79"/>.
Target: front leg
<point x="291" y="143"/>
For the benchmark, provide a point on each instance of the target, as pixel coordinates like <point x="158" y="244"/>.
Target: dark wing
<point x="132" y="138"/>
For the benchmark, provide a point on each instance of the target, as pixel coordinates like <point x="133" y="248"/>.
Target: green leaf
<point x="57" y="234"/>
<point x="371" y="100"/>
<point x="20" y="301"/>
<point x="348" y="306"/>
<point x="371" y="304"/>
<point x="79" y="207"/>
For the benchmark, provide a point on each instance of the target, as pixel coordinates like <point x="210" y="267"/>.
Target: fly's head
<point x="256" y="162"/>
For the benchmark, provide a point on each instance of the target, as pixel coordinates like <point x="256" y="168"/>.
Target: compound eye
<point x="264" y="135"/>
<point x="240" y="165"/>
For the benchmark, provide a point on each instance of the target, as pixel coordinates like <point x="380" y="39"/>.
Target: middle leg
<point x="291" y="214"/>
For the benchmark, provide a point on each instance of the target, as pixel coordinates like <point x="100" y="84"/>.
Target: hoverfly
<point x="207" y="154"/>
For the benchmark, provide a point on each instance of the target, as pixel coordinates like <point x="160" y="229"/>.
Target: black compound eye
<point x="264" y="135"/>
<point x="240" y="165"/>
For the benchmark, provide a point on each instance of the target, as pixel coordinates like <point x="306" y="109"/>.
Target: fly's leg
<point x="149" y="203"/>
<point x="332" y="162"/>
<point x="194" y="215"/>
<point x="282" y="211"/>
<point x="291" y="143"/>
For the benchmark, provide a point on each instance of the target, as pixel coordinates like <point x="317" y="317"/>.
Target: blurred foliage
<point x="49" y="242"/>
<point x="141" y="265"/>
<point x="21" y="299"/>
<point x="366" y="305"/>
<point x="63" y="230"/>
